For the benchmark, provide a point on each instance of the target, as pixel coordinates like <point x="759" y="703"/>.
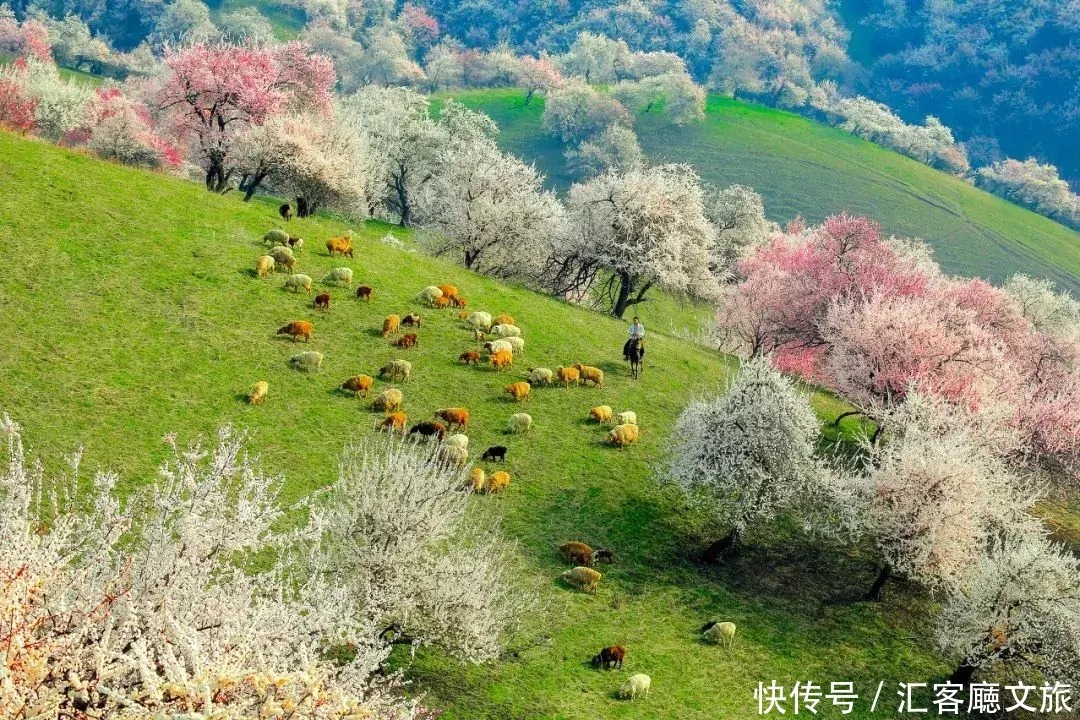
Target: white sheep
<point x="457" y="440"/>
<point x="430" y="294"/>
<point x="480" y="320"/>
<point x="342" y="275"/>
<point x="516" y="343"/>
<point x="397" y="370"/>
<point x="636" y="685"/>
<point x="520" y="423"/>
<point x="720" y="633"/>
<point x="296" y="283"/>
<point x="282" y="255"/>
<point x="307" y="361"/>
<point x="496" y="345"/>
<point x="540" y="376"/>
<point x="276" y="237"/>
<point x="628" y="417"/>
<point x="505" y="331"/>
<point x="454" y="454"/>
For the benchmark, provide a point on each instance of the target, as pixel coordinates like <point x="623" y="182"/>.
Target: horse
<point x="634" y="351"/>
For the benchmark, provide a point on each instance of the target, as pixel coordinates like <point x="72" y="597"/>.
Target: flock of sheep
<point x="500" y="340"/>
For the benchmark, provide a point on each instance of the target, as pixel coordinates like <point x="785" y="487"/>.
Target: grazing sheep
<point x="454" y="455"/>
<point x="496" y="482"/>
<point x="478" y="336"/>
<point x="502" y="359"/>
<point x="307" y="361"/>
<point x="637" y="685"/>
<point x="518" y="390"/>
<point x="540" y="376"/>
<point x="396" y="370"/>
<point x="297" y="329"/>
<point x="517" y="344"/>
<point x="441" y="303"/>
<point x="285" y="211"/>
<point x="719" y="633"/>
<point x="284" y="259"/>
<point x="412" y="320"/>
<point x="611" y="656"/>
<point x="470" y="357"/>
<point x="299" y="282"/>
<point x="430" y="294"/>
<point x="480" y="320"/>
<point x="583" y="578"/>
<point x="567" y="375"/>
<point x="498" y="345"/>
<point x="429" y="428"/>
<point x="276" y="237"/>
<point x="601" y="414"/>
<point x="505" y="331"/>
<point x="388" y="400"/>
<point x="296" y="243"/>
<point x="627" y="417"/>
<point x="390" y="325"/>
<point x="577" y="553"/>
<point x="394" y="422"/>
<point x="406" y="341"/>
<point x="448" y="291"/>
<point x="520" y="423"/>
<point x="604" y="554"/>
<point x="363" y="293"/>
<point x="623" y="435"/>
<point x="454" y="416"/>
<point x="495" y="452"/>
<point x="503" y="319"/>
<point x="341" y="275"/>
<point x="459" y="302"/>
<point x="258" y="393"/>
<point x="591" y="374"/>
<point x="264" y="265"/>
<point x="463" y="316"/>
<point x="322" y="300"/>
<point x="359" y="384"/>
<point x="476" y="479"/>
<point x="340" y="245"/>
<point x="457" y="440"/>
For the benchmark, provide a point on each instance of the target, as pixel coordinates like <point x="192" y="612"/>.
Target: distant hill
<point x="803" y="167"/>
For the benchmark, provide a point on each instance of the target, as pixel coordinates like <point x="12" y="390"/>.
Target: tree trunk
<point x="253" y="183"/>
<point x="841" y="416"/>
<point x="403" y="203"/>
<point x="626" y="285"/>
<point x="721" y="547"/>
<point x="963" y="674"/>
<point x="529" y="96"/>
<point x="874" y="593"/>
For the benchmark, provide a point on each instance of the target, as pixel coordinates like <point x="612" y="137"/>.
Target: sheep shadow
<point x="241" y="398"/>
<point x="373" y="332"/>
<point x="249" y="272"/>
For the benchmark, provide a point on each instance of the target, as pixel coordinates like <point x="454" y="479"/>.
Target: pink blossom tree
<point x="17" y="107"/>
<point x="213" y="93"/>
<point x="538" y="74"/>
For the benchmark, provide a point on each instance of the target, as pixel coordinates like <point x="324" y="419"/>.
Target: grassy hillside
<point x="802" y="167"/>
<point x="131" y="311"/>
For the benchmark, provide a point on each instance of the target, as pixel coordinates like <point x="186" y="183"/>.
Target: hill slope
<point x="131" y="311"/>
<point x="802" y="167"/>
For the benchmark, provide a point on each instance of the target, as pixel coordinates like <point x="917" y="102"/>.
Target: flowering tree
<point x="577" y="111"/>
<point x="738" y="214"/>
<point x="122" y="130"/>
<point x="681" y="98"/>
<point x="60" y="105"/>
<point x="385" y="61"/>
<point x="616" y="148"/>
<point x="420" y="27"/>
<point x="1019" y="605"/>
<point x="641" y="227"/>
<point x="214" y="93"/>
<point x="1033" y="185"/>
<point x="538" y="74"/>
<point x="746" y="455"/>
<point x="594" y="58"/>
<point x="17" y="106"/>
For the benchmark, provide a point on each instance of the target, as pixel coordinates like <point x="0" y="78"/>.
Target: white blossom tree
<point x="639" y="228"/>
<point x="682" y="100"/>
<point x="1033" y="184"/>
<point x="577" y="111"/>
<point x="594" y="58"/>
<point x="738" y="214"/>
<point x="1019" y="606"/>
<point x="747" y="455"/>
<point x="616" y="148"/>
<point x="62" y="105"/>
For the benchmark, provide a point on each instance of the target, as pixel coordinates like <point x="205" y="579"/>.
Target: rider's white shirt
<point x="637" y="332"/>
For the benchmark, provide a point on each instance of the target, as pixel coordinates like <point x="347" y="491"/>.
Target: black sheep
<point x="495" y="452"/>
<point x="285" y="211"/>
<point x="429" y="428"/>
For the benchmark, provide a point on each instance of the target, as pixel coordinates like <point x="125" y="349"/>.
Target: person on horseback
<point x="637" y="332"/>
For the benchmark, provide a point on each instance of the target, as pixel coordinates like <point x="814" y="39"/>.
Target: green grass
<point x="66" y="73"/>
<point x="803" y="167"/>
<point x="131" y="311"/>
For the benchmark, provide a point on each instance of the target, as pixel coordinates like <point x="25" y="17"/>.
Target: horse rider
<point x="636" y="332"/>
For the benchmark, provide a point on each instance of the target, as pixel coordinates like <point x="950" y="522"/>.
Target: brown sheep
<point x="503" y="319"/>
<point x="406" y="341"/>
<point x="463" y="316"/>
<point x="429" y="428"/>
<point x="412" y="320"/>
<point x="297" y="329"/>
<point x="359" y="384"/>
<point x="476" y="479"/>
<point x="388" y="400"/>
<point x="441" y="303"/>
<point x="583" y="577"/>
<point x="448" y="291"/>
<point x="322" y="300"/>
<point x="363" y="293"/>
<point x="609" y="657"/>
<point x="601" y="414"/>
<point x="519" y="391"/>
<point x="390" y="325"/>
<point x="591" y="374"/>
<point x="567" y="375"/>
<point x="577" y="553"/>
<point x="497" y="482"/>
<point x="258" y="393"/>
<point x="394" y="422"/>
<point x="501" y="359"/>
<point x="454" y="417"/>
<point x="470" y="357"/>
<point x="341" y="245"/>
<point x="459" y="302"/>
<point x="623" y="435"/>
<point x="264" y="265"/>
